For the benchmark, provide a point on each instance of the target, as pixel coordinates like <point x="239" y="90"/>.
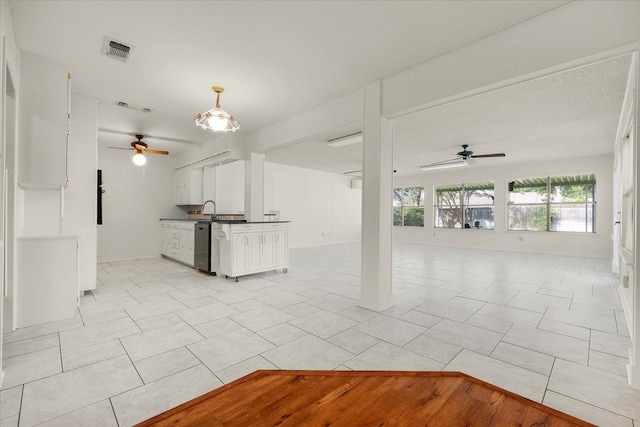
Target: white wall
<point x="322" y="207"/>
<point x="597" y="245"/>
<point x="133" y="204"/>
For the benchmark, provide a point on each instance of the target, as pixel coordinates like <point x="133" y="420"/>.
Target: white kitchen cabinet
<point x="209" y="183"/>
<point x="252" y="247"/>
<point x="260" y="250"/>
<point x="281" y="248"/>
<point x="239" y="254"/>
<point x="188" y="186"/>
<point x="172" y="239"/>
<point x="163" y="238"/>
<point x="267" y="250"/>
<point x="177" y="186"/>
<point x="177" y="240"/>
<point x="43" y="121"/>
<point x="187" y="237"/>
<point x="48" y="274"/>
<point x="229" y="187"/>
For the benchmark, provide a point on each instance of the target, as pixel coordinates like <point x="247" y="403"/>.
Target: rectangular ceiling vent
<point x="132" y="107"/>
<point x="116" y="50"/>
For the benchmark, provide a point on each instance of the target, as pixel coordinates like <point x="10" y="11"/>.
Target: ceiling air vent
<point x="132" y="107"/>
<point x="116" y="50"/>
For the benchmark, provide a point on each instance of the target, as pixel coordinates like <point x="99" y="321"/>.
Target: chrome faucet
<point x="214" y="208"/>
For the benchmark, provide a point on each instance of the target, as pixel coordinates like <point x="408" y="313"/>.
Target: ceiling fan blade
<point x="445" y="162"/>
<point x="488" y="155"/>
<point x="121" y="148"/>
<point x="156" y="151"/>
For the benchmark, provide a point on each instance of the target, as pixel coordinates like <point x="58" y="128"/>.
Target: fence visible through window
<point x="561" y="203"/>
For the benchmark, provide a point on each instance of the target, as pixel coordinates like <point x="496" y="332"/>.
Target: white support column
<point x="254" y="188"/>
<point x="377" y="187"/>
<point x="633" y="367"/>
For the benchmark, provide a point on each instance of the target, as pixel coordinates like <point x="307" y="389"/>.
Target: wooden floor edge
<point x="441" y="374"/>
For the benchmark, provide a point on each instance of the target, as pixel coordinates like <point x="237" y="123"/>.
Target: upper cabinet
<point x="188" y="186"/>
<point x="230" y="187"/>
<point x="223" y="184"/>
<point x="43" y="121"/>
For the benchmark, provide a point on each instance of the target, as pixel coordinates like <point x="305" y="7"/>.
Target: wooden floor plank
<point x="347" y="398"/>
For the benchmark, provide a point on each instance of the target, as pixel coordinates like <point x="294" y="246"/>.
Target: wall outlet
<point x="322" y="234"/>
<point x="434" y="234"/>
<point x="521" y="238"/>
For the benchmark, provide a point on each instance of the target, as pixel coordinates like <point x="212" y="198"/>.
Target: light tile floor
<point x="156" y="333"/>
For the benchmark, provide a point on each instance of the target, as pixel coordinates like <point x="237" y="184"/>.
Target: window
<point x="408" y="207"/>
<point x="464" y="206"/>
<point x="560" y="203"/>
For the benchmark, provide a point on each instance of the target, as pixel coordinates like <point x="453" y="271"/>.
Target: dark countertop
<point x="251" y="222"/>
<point x="224" y="222"/>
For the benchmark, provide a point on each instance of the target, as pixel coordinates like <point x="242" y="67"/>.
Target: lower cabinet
<point x="187" y="240"/>
<point x="239" y="259"/>
<point x="48" y="279"/>
<point x="252" y="248"/>
<point x="281" y="248"/>
<point x="178" y="238"/>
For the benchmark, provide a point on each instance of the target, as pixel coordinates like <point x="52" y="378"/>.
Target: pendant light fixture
<point x="217" y="119"/>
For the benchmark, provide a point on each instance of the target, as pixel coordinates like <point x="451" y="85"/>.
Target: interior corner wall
<point x="593" y="245"/>
<point x="132" y="205"/>
<point x="322" y="207"/>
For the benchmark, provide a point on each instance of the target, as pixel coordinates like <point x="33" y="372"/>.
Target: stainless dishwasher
<point x="202" y="246"/>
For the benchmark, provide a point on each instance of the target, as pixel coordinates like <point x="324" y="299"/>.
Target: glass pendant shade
<point x="217" y="119"/>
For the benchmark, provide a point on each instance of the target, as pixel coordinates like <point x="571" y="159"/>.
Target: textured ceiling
<point x="274" y="58"/>
<point x="562" y="116"/>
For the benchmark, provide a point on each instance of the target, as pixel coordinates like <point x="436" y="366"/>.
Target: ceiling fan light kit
<point x="141" y="147"/>
<point x="139" y="159"/>
<point x="217" y="119"/>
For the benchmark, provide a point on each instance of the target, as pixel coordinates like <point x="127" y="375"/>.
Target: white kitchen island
<point x="252" y="247"/>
